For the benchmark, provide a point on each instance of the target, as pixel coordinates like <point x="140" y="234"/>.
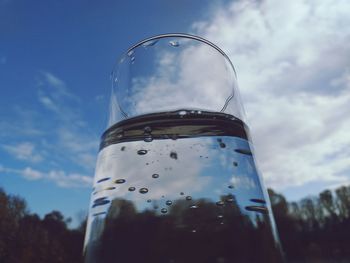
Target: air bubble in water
<point x="173" y="155"/>
<point x="188" y="198"/>
<point x="174" y="43"/>
<point x="147" y="129"/>
<point x="149" y="200"/>
<point x="168" y="202"/>
<point x="120" y="135"/>
<point x="220" y="203"/>
<point x="131" y="189"/>
<point x="259" y="209"/>
<point x="122" y="148"/>
<point x="182" y="113"/>
<point x="182" y="193"/>
<point x="194" y="230"/>
<point x="230" y="199"/>
<point x="194" y="206"/>
<point x="222" y="145"/>
<point x="155" y="176"/>
<point x="235" y="164"/>
<point x="142" y="152"/>
<point x="230" y="186"/>
<point x="220" y="216"/>
<point x="131" y="53"/>
<point x="164" y="210"/>
<point x="120" y="181"/>
<point x="148" y="138"/>
<point x="258" y="201"/>
<point x="243" y="151"/>
<point x="143" y="190"/>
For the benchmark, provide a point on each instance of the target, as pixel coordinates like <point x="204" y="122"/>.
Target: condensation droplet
<point x="123" y="148"/>
<point x="155" y="207"/>
<point x="132" y="59"/>
<point x="149" y="200"/>
<point x="131" y="188"/>
<point x="143" y="190"/>
<point x="194" y="206"/>
<point x="188" y="198"/>
<point x="142" y="152"/>
<point x="120" y="135"/>
<point x="168" y="202"/>
<point x="220" y="216"/>
<point x="194" y="231"/>
<point x="120" y="181"/>
<point x="220" y="203"/>
<point x="230" y="186"/>
<point x="150" y="43"/>
<point x="221" y="223"/>
<point x="222" y="145"/>
<point x="199" y="112"/>
<point x="182" y="193"/>
<point x="174" y="43"/>
<point x="164" y="210"/>
<point x="173" y="155"/>
<point x="235" y="164"/>
<point x="155" y="176"/>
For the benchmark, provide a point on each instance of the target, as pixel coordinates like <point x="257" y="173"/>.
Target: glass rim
<point x="180" y="35"/>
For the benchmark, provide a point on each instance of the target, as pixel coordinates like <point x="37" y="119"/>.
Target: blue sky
<point x="56" y="57"/>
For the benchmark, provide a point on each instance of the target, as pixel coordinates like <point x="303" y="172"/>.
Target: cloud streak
<point x="24" y="151"/>
<point x="59" y="177"/>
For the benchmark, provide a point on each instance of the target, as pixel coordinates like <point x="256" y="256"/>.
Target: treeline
<point x="315" y="229"/>
<point x="25" y="238"/>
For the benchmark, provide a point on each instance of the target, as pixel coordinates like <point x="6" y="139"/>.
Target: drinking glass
<point x="176" y="180"/>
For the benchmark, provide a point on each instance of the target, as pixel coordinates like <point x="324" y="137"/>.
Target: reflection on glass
<point x="175" y="178"/>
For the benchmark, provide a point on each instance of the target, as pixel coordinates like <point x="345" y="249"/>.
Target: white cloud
<point x="293" y="69"/>
<point x="59" y="177"/>
<point x="31" y="174"/>
<point x="24" y="151"/>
